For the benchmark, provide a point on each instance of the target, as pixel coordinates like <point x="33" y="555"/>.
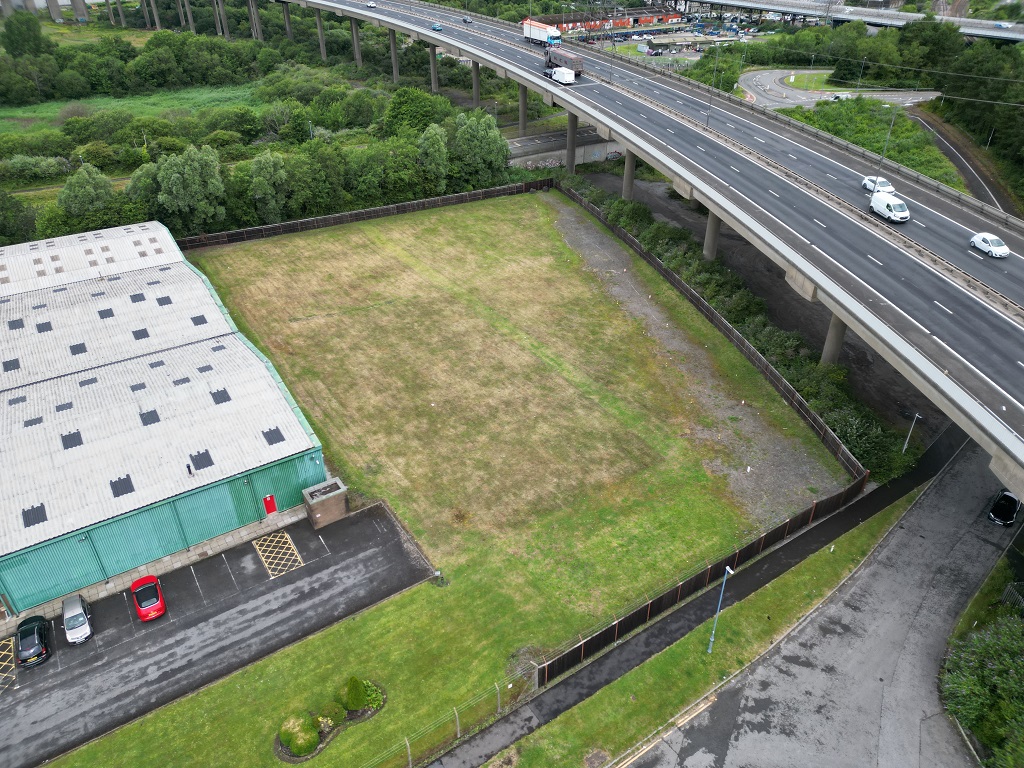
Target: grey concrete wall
<point x="551" y="158"/>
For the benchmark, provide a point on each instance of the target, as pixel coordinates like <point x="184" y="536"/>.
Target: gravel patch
<point x="772" y="474"/>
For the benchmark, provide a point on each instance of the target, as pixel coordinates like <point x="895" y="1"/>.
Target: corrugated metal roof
<point x="129" y="419"/>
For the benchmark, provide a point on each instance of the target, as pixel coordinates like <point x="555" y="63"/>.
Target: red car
<point x="148" y="598"/>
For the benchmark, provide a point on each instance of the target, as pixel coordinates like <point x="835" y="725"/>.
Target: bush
<point x="355" y="694"/>
<point x="333" y="711"/>
<point x="299" y="735"/>
<point x="374" y="695"/>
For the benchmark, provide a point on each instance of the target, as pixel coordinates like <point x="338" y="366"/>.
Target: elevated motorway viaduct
<point x="947" y="318"/>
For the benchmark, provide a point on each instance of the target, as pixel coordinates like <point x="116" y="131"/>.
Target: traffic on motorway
<point x="807" y="197"/>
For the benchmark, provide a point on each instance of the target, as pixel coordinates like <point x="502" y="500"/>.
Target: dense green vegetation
<point x="866" y="122"/>
<point x="982" y="83"/>
<point x="824" y="387"/>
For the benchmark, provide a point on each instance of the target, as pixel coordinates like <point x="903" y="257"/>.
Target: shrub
<point x="374" y="695"/>
<point x="355" y="694"/>
<point x="299" y="735"/>
<point x="333" y="711"/>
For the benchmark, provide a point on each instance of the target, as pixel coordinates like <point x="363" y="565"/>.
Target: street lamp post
<point x="728" y="572"/>
<point x="862" y="63"/>
<point x="310" y="129"/>
<point x="909" y="432"/>
<point x="885" y="148"/>
<point x="711" y="93"/>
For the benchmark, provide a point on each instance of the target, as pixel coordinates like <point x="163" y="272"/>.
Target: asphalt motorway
<point x="975" y="346"/>
<point x="855" y="683"/>
<point x="223" y="613"/>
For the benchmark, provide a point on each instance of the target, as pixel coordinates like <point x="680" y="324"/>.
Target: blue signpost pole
<point x="728" y="572"/>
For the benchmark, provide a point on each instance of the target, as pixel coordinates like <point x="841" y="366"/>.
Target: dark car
<point x="32" y="642"/>
<point x="148" y="598"/>
<point x="549" y="73"/>
<point x="1004" y="508"/>
<point x="466" y="20"/>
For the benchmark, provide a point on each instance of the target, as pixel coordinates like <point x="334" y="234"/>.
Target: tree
<point x="22" y="35"/>
<point x="433" y="160"/>
<point x="86" y="190"/>
<point x="268" y="187"/>
<point x="71" y="85"/>
<point x="412" y="108"/>
<point x="191" y="191"/>
<point x="17" y="220"/>
<point x="479" y="154"/>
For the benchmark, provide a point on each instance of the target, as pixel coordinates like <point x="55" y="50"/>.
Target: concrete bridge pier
<point x="570" y="143"/>
<point x="833" y="340"/>
<point x="223" y="15"/>
<point x="356" y="51"/>
<point x="320" y="36"/>
<point x="627" y="176"/>
<point x="188" y="15"/>
<point x="522" y="110"/>
<point x="8" y="9"/>
<point x="433" y="68"/>
<point x="156" y="15"/>
<point x="393" y="43"/>
<point x="216" y="16"/>
<point x="711" y="236"/>
<point x="254" y="20"/>
<point x="476" y="85"/>
<point x="287" y="20"/>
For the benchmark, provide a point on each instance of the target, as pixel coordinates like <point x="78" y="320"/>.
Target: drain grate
<point x="278" y="553"/>
<point x="6" y="663"/>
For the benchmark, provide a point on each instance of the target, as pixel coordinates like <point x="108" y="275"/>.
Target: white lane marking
<point x="875" y="260"/>
<point x="670" y="130"/>
<point x="1020" y="364"/>
<point x="643" y="115"/>
<point x="774" y="193"/>
<point x="760" y="139"/>
<point x="730" y="125"/>
<point x="975" y="255"/>
<point x="918" y="223"/>
<point x="819" y="223"/>
<point x="735" y="168"/>
<point x="991" y="383"/>
<point x="701" y="149"/>
<point x="830" y="175"/>
<point x="678" y="101"/>
<point x="793" y="156"/>
<point x="942" y="307"/>
<point x="619" y="103"/>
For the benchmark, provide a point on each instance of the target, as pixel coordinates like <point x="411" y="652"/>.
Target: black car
<point x="1004" y="508"/>
<point x="32" y="642"/>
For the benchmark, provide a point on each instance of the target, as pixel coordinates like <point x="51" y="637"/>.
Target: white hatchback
<point x="990" y="244"/>
<point x="877" y="184"/>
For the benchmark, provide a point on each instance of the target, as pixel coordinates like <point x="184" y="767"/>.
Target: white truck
<point x="541" y="34"/>
<point x="562" y="75"/>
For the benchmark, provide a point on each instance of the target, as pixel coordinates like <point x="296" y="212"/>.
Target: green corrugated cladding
<point x="66" y="564"/>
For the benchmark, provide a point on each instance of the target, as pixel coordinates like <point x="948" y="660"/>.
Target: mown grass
<point x="982" y="608"/>
<point x="813" y="81"/>
<point x="462" y="363"/>
<point x="630" y="709"/>
<point x="37" y="117"/>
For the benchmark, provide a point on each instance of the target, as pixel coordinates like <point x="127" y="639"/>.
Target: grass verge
<point x="633" y="707"/>
<point x="463" y="363"/>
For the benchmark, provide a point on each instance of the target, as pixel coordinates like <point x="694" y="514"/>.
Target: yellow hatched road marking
<point x="278" y="553"/>
<point x="6" y="663"/>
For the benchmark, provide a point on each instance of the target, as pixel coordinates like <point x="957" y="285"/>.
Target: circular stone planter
<point x="351" y="718"/>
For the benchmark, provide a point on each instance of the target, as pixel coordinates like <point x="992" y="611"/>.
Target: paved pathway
<point x="855" y="684"/>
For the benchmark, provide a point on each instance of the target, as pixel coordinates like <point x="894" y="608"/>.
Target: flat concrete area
<point x="856" y="684"/>
<point x="222" y="614"/>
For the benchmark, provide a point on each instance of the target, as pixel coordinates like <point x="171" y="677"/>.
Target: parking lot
<point x="222" y="614"/>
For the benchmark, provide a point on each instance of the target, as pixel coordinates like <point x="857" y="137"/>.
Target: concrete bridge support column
<point x="8" y="8"/>
<point x="570" y="143"/>
<point x="393" y="42"/>
<point x="188" y="15"/>
<point x="120" y="13"/>
<point x="30" y="6"/>
<point x="110" y="12"/>
<point x="522" y="110"/>
<point x="627" y="176"/>
<point x="356" y="51"/>
<point x="433" y="69"/>
<point x="216" y="16"/>
<point x="181" y="13"/>
<point x="476" y="85"/>
<point x="144" y="5"/>
<point x="254" y="21"/>
<point x="833" y="341"/>
<point x="320" y="36"/>
<point x="711" y="236"/>
<point x="81" y="12"/>
<point x="287" y="20"/>
<point x="156" y="16"/>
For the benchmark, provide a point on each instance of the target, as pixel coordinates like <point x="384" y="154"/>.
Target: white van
<point x="889" y="207"/>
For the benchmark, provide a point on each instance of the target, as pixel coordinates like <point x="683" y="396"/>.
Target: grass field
<point x="463" y="364"/>
<point x="37" y="117"/>
<point x="814" y="81"/>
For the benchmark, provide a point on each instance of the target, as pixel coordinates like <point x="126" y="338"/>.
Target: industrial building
<point x="136" y="419"/>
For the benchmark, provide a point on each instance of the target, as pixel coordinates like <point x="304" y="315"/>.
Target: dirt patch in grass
<point x="768" y="472"/>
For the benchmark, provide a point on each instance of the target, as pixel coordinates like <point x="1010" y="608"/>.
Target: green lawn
<point x="463" y="363"/>
<point x="630" y="709"/>
<point x="814" y="81"/>
<point x="40" y="116"/>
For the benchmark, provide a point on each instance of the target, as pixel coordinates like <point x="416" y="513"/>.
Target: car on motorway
<point x="877" y="184"/>
<point x="32" y="642"/>
<point x="889" y="207"/>
<point x="466" y="20"/>
<point x="1004" y="25"/>
<point x="75" y="618"/>
<point x="371" y="4"/>
<point x="1004" y="508"/>
<point x="436" y="27"/>
<point x="990" y="244"/>
<point x="148" y="598"/>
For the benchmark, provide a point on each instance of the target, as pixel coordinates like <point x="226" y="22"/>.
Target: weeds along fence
<point x="1014" y="595"/>
<point x="350" y="217"/>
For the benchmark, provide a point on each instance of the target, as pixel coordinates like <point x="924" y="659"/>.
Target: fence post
<point x="458" y="726"/>
<point x="498" y="689"/>
<point x="408" y="751"/>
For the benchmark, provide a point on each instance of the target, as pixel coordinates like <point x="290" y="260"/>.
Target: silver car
<point x="77" y="624"/>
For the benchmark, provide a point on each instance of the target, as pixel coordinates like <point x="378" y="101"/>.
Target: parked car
<point x="32" y="642"/>
<point x="148" y="598"/>
<point x="76" y="619"/>
<point x="1004" y="508"/>
<point x="877" y="184"/>
<point x="990" y="244"/>
<point x="436" y="27"/>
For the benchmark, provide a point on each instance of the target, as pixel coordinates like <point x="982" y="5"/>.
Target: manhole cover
<point x="277" y="553"/>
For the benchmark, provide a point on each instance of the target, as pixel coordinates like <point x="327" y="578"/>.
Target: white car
<point x="877" y="184"/>
<point x="371" y="4"/>
<point x="1004" y="25"/>
<point x="636" y="37"/>
<point x="990" y="244"/>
